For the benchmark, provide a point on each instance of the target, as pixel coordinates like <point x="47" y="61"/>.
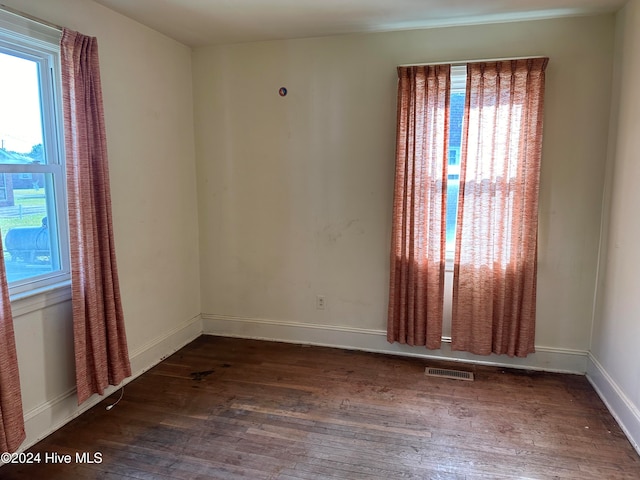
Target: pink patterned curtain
<point x="12" y="432"/>
<point x="416" y="292"/>
<point x="494" y="296"/>
<point x="100" y="341"/>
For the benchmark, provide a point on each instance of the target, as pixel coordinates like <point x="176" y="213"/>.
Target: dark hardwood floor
<point x="243" y="409"/>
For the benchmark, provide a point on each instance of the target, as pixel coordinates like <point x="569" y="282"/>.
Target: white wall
<point x="147" y="92"/>
<point x="295" y="193"/>
<point x="616" y="335"/>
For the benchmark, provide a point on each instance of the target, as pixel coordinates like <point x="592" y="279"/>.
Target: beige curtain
<point x="99" y="334"/>
<point x="494" y="296"/>
<point x="418" y="230"/>
<point x="12" y="432"/>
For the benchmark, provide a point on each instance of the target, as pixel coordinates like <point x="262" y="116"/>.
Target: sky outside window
<point x="20" y="117"/>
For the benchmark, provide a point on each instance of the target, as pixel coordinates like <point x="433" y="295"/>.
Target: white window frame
<point x="31" y="40"/>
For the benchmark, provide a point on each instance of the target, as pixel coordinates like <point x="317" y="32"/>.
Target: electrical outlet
<point x="321" y="302"/>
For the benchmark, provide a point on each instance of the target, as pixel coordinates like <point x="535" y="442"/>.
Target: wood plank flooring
<point x="243" y="409"/>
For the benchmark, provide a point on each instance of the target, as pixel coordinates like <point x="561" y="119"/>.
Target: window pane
<point x="453" y="179"/>
<point x="33" y="207"/>
<point x="29" y="241"/>
<point x="20" y="115"/>
<point x="453" y="185"/>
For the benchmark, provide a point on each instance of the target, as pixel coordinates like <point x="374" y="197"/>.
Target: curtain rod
<point x="30" y="17"/>
<point x="464" y="62"/>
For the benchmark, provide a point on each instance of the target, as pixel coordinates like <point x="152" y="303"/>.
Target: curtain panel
<point x="99" y="333"/>
<point x="494" y="289"/>
<point x="416" y="292"/>
<point x="12" y="432"/>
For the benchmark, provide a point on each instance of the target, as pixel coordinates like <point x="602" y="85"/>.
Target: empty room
<point x="290" y="239"/>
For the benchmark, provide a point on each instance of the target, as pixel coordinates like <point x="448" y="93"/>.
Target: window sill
<point x="37" y="299"/>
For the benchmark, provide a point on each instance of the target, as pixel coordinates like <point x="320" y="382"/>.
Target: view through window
<point x="456" y="114"/>
<point x="32" y="191"/>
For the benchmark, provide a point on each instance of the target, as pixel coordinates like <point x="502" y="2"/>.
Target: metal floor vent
<point x="446" y="373"/>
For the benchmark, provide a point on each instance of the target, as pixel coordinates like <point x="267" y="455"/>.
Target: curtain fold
<point x="100" y="340"/>
<point x="416" y="292"/>
<point x="494" y="296"/>
<point x="12" y="432"/>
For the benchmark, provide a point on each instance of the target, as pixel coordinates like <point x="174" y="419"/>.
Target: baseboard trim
<point x="546" y="358"/>
<point x="48" y="417"/>
<point x="623" y="410"/>
<point x="153" y="352"/>
<point x="52" y="415"/>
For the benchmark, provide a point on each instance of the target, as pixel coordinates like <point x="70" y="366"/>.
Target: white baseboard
<point x="153" y="352"/>
<point x="50" y="416"/>
<point x="623" y="410"/>
<point x="545" y="358"/>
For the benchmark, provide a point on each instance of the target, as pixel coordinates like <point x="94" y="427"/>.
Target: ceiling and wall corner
<point x="199" y="23"/>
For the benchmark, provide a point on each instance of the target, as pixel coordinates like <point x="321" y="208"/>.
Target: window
<point x="33" y="213"/>
<point x="484" y="223"/>
<point x="456" y="115"/>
